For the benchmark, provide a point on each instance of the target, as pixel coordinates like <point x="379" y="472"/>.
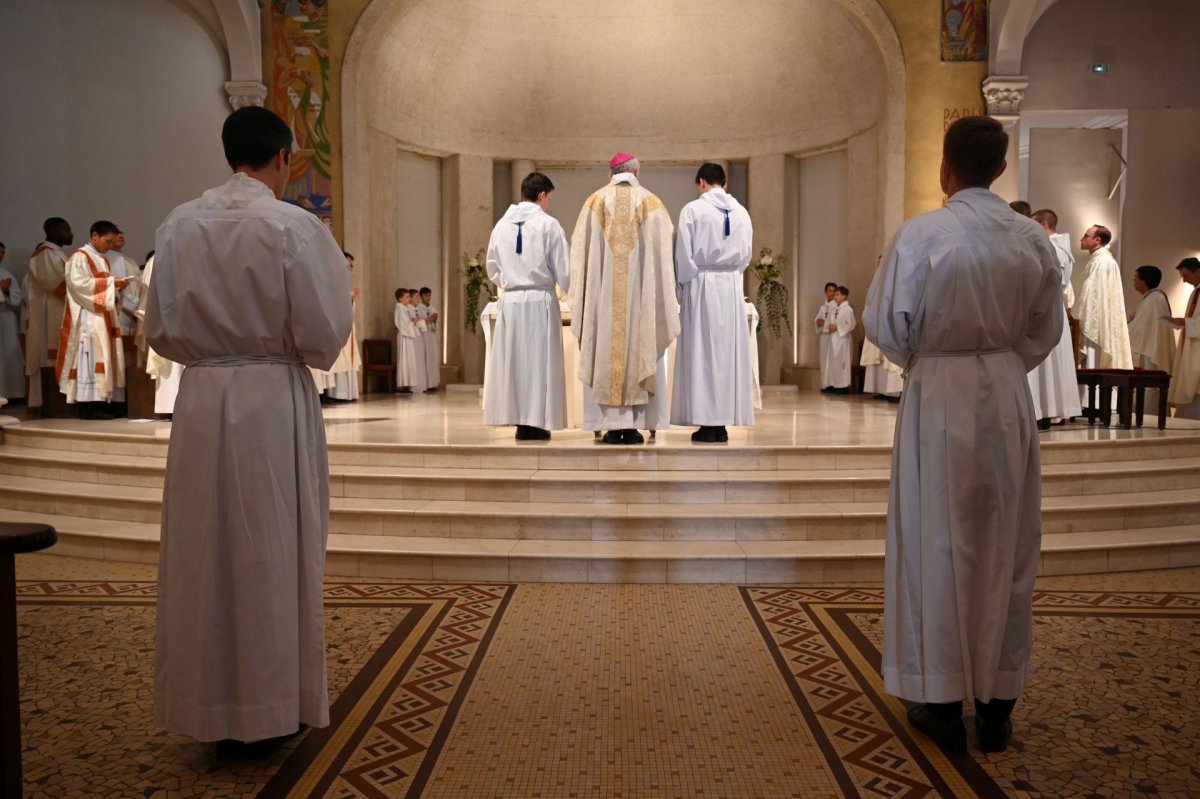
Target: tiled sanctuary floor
<point x="509" y="690"/>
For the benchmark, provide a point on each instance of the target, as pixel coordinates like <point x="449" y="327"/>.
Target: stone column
<point x="466" y="226"/>
<point x="520" y="168"/>
<point x="767" y="203"/>
<point x="1003" y="94"/>
<point x="242" y="93"/>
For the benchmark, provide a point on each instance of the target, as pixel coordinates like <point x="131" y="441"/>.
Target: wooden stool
<point x="378" y="362"/>
<point x="14" y="538"/>
<point x="1130" y="385"/>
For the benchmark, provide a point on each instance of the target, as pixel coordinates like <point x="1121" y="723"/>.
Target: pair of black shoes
<point x="96" y="411"/>
<point x="832" y="390"/>
<point x="527" y="433"/>
<point x="711" y="435"/>
<point x="943" y="723"/>
<point x="630" y="436"/>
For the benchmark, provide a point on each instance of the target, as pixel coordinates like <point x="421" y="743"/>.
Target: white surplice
<point x="1151" y="334"/>
<point x="523" y="381"/>
<point x="124" y="267"/>
<point x="625" y="312"/>
<point x="1052" y="383"/>
<point x="1185" y="381"/>
<point x="841" y="345"/>
<point x="346" y="372"/>
<point x="241" y="644"/>
<point x="966" y="297"/>
<point x="825" y="314"/>
<point x="1100" y="309"/>
<point x="433" y="367"/>
<point x="47" y="273"/>
<point x="714" y="379"/>
<point x="91" y="356"/>
<point x="165" y="373"/>
<point x="880" y="376"/>
<point x="12" y="360"/>
<point x="410" y="360"/>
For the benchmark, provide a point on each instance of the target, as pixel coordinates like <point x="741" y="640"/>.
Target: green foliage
<point x="475" y="271"/>
<point x="772" y="297"/>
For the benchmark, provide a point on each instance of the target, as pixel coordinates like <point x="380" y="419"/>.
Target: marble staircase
<point x="529" y="512"/>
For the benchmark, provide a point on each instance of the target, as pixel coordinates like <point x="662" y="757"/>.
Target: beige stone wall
<point x="810" y="75"/>
<point x="936" y="93"/>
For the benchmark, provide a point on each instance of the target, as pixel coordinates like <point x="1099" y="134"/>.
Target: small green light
<point x="1098" y="69"/>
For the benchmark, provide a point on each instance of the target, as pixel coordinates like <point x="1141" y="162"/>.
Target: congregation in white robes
<point x="625" y="312"/>
<point x="1100" y="309"/>
<point x="714" y="379"/>
<point x="240" y="633"/>
<point x="12" y="359"/>
<point x="968" y="298"/>
<point x="91" y="355"/>
<point x="46" y="305"/>
<point x="524" y="384"/>
<point x="1052" y="383"/>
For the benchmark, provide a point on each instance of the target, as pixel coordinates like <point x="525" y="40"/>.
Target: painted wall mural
<point x="964" y="30"/>
<point x="299" y="92"/>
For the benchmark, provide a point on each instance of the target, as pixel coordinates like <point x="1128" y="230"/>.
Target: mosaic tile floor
<point x="617" y="691"/>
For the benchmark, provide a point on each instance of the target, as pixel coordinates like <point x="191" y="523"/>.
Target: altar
<point x="571" y="357"/>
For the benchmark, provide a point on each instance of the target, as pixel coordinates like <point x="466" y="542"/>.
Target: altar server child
<point x="841" y="344"/>
<point x="824" y="314"/>
<point x="400" y="317"/>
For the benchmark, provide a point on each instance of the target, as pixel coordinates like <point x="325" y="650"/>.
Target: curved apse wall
<point x="668" y="79"/>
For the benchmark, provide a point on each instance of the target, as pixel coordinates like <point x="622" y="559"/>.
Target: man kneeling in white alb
<point x="714" y="379"/>
<point x="527" y="255"/>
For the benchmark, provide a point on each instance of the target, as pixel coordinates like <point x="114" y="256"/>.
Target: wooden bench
<point x="1130" y="385"/>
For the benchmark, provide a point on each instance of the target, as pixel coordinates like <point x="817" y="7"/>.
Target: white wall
<point x="1150" y="47"/>
<point x="1162" y="201"/>
<point x="112" y="111"/>
<point x="820" y="246"/>
<point x="418" y="226"/>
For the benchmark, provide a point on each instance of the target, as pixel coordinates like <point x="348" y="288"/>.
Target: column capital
<point x="1004" y="94"/>
<point x="245" y="92"/>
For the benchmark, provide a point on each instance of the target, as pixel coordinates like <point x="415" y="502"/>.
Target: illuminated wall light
<point x="1098" y="69"/>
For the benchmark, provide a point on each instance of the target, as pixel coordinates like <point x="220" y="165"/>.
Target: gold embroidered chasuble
<point x="625" y="311"/>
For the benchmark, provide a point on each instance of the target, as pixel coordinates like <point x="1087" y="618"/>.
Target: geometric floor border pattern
<point x="827" y="642"/>
<point x="388" y="722"/>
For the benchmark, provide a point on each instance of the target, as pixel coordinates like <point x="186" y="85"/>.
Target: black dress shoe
<point x="632" y="437"/>
<point x="948" y="733"/>
<point x="523" y="433"/>
<point x="612" y="437"/>
<point x="705" y="435"/>
<point x="721" y="435"/>
<point x="993" y="735"/>
<point x="993" y="724"/>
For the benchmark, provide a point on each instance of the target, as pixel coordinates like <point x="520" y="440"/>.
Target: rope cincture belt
<point x="247" y="360"/>
<point x="916" y="356"/>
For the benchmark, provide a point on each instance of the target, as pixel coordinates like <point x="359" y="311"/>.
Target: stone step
<point x="616" y="521"/>
<point x="767" y="562"/>
<point x="1150" y="446"/>
<point x="609" y="486"/>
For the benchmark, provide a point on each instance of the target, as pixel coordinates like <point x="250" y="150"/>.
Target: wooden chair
<point x="378" y="362"/>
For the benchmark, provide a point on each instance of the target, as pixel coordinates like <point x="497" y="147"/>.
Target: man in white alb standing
<point x="527" y="256"/>
<point x="821" y="322"/>
<point x="968" y="297"/>
<point x="241" y="626"/>
<point x="1100" y="306"/>
<point x="714" y="379"/>
<point x="1052" y="382"/>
